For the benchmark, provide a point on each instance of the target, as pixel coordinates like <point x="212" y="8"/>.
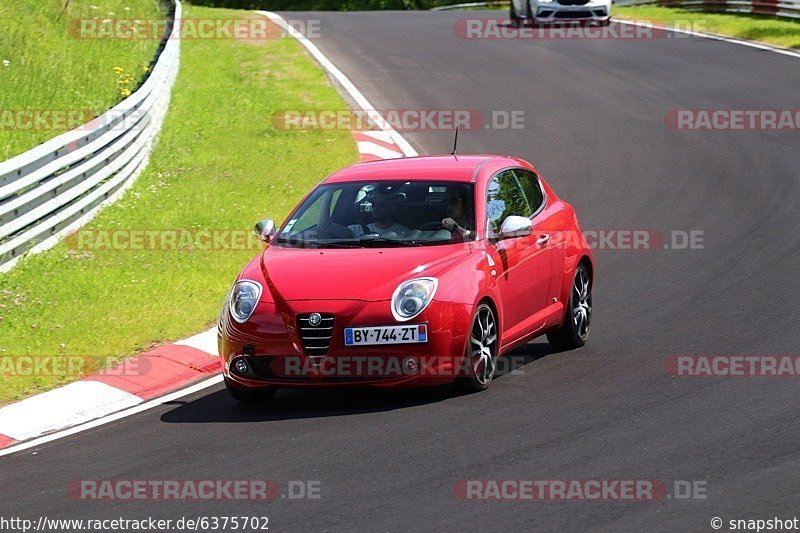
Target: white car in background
<point x="560" y="10"/>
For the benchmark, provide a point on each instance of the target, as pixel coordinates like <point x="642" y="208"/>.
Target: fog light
<point x="411" y="365"/>
<point x="240" y="365"/>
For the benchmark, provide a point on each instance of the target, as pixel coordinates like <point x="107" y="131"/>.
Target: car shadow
<point x="518" y="358"/>
<point x="289" y="404"/>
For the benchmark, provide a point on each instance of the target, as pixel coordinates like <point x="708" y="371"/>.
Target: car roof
<point x="457" y="168"/>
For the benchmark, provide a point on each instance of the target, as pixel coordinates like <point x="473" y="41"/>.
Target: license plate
<point x="372" y="336"/>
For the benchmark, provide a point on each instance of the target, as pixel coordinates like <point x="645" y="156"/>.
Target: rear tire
<point x="480" y="357"/>
<point x="251" y="397"/>
<point x="574" y="332"/>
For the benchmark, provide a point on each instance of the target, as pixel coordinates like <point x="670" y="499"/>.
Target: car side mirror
<point x="516" y="226"/>
<point x="265" y="229"/>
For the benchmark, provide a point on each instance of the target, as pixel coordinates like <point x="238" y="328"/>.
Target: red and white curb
<point x="173" y="370"/>
<point x="376" y="145"/>
<point x="152" y="374"/>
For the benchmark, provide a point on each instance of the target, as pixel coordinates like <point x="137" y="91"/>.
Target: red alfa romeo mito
<point x="408" y="272"/>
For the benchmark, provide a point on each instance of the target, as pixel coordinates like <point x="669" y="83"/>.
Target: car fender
<point x="470" y="281"/>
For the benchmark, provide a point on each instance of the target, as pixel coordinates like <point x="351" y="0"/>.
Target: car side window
<point x="532" y="189"/>
<point x="505" y="197"/>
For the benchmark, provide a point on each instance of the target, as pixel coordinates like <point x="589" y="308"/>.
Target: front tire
<point x="574" y="332"/>
<point x="512" y="15"/>
<point x="250" y="397"/>
<point x="531" y="15"/>
<point x="482" y="349"/>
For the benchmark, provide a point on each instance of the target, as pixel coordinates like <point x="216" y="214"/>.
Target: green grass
<point x="772" y="30"/>
<point x="46" y="66"/>
<point x="219" y="165"/>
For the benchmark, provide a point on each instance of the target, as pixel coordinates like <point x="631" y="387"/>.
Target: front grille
<point x="573" y="2"/>
<point x="316" y="339"/>
<point x="573" y="14"/>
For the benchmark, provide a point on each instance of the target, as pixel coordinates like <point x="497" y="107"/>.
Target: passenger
<point x="384" y="210"/>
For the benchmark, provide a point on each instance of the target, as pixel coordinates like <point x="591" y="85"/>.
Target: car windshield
<point x="382" y="214"/>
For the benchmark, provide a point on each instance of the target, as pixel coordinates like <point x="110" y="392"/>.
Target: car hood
<point x="369" y="274"/>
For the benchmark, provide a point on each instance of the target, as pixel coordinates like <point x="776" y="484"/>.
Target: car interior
<point x="419" y="206"/>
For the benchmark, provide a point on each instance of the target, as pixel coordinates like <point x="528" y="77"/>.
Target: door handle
<point x="543" y="239"/>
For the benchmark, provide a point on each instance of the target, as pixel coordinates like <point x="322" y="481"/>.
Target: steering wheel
<point x="335" y="231"/>
<point x="431" y="226"/>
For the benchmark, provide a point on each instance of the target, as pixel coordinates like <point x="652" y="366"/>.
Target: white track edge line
<point x="38" y="441"/>
<point x="359" y="98"/>
<point x="407" y="149"/>
<point x="713" y="37"/>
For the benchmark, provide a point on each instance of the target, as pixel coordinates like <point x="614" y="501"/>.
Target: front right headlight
<point x="412" y="297"/>
<point x="243" y="300"/>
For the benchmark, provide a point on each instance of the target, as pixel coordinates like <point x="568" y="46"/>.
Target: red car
<point x="408" y="272"/>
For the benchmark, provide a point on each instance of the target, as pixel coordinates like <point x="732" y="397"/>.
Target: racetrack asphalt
<point x="594" y="127"/>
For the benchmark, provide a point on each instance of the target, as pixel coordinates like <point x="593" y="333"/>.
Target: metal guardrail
<point x="61" y="184"/>
<point x="785" y="8"/>
<point x="471" y="4"/>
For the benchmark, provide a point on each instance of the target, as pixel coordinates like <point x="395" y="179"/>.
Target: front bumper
<point x="272" y="347"/>
<point x="554" y="12"/>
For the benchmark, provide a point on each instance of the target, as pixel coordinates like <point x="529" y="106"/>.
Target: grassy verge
<point x="324" y="5"/>
<point x="45" y="65"/>
<point x="772" y="30"/>
<point x="220" y="164"/>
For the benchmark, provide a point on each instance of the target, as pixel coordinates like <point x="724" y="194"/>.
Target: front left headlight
<point x="412" y="297"/>
<point x="243" y="300"/>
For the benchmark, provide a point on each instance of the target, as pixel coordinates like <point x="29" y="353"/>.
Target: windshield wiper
<point x="387" y="240"/>
<point x="320" y="244"/>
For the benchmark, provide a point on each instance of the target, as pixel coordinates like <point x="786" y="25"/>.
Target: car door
<point x="523" y="264"/>
<point x="544" y="236"/>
